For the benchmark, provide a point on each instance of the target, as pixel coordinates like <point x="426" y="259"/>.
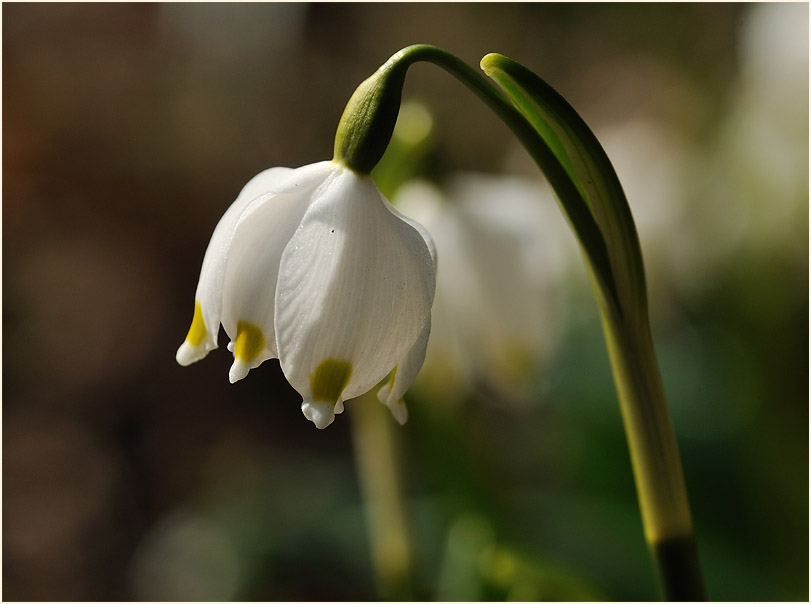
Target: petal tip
<point x="397" y="406"/>
<point x="188" y="353"/>
<point x="399" y="411"/>
<point x="321" y="414"/>
<point x="238" y="370"/>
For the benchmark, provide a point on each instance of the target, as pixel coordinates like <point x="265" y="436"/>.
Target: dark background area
<point x="127" y="131"/>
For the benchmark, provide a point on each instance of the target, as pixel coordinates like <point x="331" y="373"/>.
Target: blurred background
<point x="127" y="131"/>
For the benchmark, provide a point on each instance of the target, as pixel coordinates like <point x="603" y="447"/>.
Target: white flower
<point x="314" y="267"/>
<point x="505" y="250"/>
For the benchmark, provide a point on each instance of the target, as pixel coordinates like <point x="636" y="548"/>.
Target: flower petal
<point x="426" y="236"/>
<point x="202" y="336"/>
<point x="249" y="288"/>
<point x="402" y="376"/>
<point x="355" y="287"/>
<point x="327" y="383"/>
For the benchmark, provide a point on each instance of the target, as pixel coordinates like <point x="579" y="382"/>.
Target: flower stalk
<point x="591" y="198"/>
<point x="622" y="297"/>
<point x="376" y="458"/>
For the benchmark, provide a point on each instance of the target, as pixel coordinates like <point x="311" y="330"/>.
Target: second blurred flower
<point x="504" y="250"/>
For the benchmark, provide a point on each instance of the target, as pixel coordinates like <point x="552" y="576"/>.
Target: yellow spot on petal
<point x="329" y="379"/>
<point x="390" y="385"/>
<point x="249" y="343"/>
<point x="197" y="331"/>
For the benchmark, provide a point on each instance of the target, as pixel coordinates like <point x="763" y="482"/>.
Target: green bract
<point x="368" y="120"/>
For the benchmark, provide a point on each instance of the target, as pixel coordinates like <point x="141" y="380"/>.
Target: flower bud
<point x="368" y="120"/>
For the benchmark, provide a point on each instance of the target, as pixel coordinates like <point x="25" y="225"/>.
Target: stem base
<point x="678" y="570"/>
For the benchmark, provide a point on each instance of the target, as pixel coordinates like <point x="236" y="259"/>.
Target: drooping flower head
<point x="314" y="267"/>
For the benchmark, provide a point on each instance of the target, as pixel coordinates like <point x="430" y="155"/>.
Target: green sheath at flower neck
<point x="368" y="121"/>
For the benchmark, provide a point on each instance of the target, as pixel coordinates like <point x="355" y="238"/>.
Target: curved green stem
<point x="371" y="113"/>
<point x="592" y="200"/>
<point x="652" y="442"/>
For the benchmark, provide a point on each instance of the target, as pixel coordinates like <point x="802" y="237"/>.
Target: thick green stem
<point x="655" y="458"/>
<point x="624" y="310"/>
<point x="379" y="471"/>
<point x="654" y="453"/>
